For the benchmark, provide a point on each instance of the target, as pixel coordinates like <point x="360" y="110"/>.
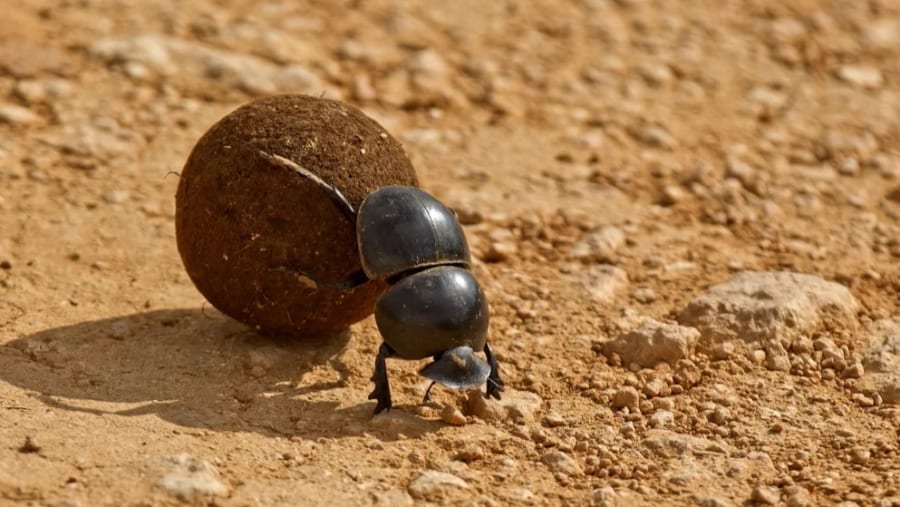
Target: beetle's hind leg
<point x="494" y="382"/>
<point x="382" y="391"/>
<point x="333" y="193"/>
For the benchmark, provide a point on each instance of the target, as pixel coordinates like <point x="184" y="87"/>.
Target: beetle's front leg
<point x="494" y="382"/>
<point x="382" y="391"/>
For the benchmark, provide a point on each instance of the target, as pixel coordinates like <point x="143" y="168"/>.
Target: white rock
<point x="768" y="97"/>
<point x="18" y="115"/>
<point x="149" y="50"/>
<point x="883" y="355"/>
<point x="862" y="76"/>
<point x="601" y="245"/>
<point x="453" y="415"/>
<point x="297" y="78"/>
<point x="560" y="462"/>
<point x="626" y="397"/>
<point x="393" y="498"/>
<point x="520" y="406"/>
<point x="644" y="295"/>
<point x="712" y="501"/>
<point x="656" y="74"/>
<point x="657" y="137"/>
<point x="34" y="91"/>
<point x="604" y="282"/>
<point x="120" y="329"/>
<point x="604" y="497"/>
<point x="185" y="476"/>
<point x="882" y="33"/>
<point x="890" y="389"/>
<point x="661" y="419"/>
<point x="777" y="358"/>
<point x="668" y="444"/>
<point x="432" y="485"/>
<point x="653" y="342"/>
<point x="179" y="59"/>
<point x="766" y="495"/>
<point x="115" y="196"/>
<point x="755" y="306"/>
<point x="398" y="421"/>
<point x="429" y="63"/>
<point x="787" y="30"/>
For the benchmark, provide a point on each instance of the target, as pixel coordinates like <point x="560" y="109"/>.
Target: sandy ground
<point x="612" y="161"/>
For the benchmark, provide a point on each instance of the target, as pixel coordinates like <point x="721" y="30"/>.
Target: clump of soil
<point x="252" y="233"/>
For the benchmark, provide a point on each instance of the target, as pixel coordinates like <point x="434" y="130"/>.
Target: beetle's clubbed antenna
<point x="457" y="368"/>
<point x="333" y="193"/>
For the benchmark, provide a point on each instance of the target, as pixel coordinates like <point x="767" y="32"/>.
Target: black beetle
<point x="434" y="306"/>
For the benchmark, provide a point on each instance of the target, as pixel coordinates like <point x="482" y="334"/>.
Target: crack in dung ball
<point x="253" y="235"/>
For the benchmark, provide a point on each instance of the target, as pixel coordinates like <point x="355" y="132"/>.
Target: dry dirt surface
<point x="685" y="214"/>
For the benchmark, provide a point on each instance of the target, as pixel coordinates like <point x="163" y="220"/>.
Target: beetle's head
<point x="458" y="368"/>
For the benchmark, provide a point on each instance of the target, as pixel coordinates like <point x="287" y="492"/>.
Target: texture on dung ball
<point x="247" y="229"/>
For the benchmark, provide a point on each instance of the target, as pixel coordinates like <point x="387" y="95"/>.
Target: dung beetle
<point x="434" y="306"/>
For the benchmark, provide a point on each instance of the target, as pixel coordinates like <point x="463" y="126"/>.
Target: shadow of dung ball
<point x="248" y="230"/>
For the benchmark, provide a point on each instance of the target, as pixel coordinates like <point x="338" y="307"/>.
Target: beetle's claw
<point x="494" y="386"/>
<point x="384" y="401"/>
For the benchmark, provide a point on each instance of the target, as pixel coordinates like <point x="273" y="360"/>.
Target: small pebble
<point x="720" y="416"/>
<point x="777" y="358"/>
<point x="862" y="76"/>
<point x="626" y="397"/>
<point x="723" y="351"/>
<point x="601" y="245"/>
<point x="115" y="196"/>
<point x="120" y="329"/>
<point x="661" y="419"/>
<point x="849" y="167"/>
<point x="797" y="496"/>
<point x="654" y="387"/>
<point x="672" y="195"/>
<point x="604" y="497"/>
<point x="604" y="282"/>
<point x="758" y="356"/>
<point x="185" y="476"/>
<point x="855" y="370"/>
<point x="657" y="137"/>
<point x="452" y="415"/>
<point x="470" y="453"/>
<point x="765" y="495"/>
<point x="882" y="34"/>
<point x="555" y="420"/>
<point x="644" y="295"/>
<point x="17" y="115"/>
<point x="431" y="484"/>
<point x="393" y="498"/>
<point x="560" y="462"/>
<point x="500" y="251"/>
<point x="30" y="446"/>
<point x="860" y="456"/>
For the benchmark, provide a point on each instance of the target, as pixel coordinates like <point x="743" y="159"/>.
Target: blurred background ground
<point x="612" y="161"/>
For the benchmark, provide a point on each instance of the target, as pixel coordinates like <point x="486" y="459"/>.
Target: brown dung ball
<point x="250" y="232"/>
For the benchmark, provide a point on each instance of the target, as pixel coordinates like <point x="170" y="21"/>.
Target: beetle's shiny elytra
<point x="402" y="228"/>
<point x="433" y="307"/>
